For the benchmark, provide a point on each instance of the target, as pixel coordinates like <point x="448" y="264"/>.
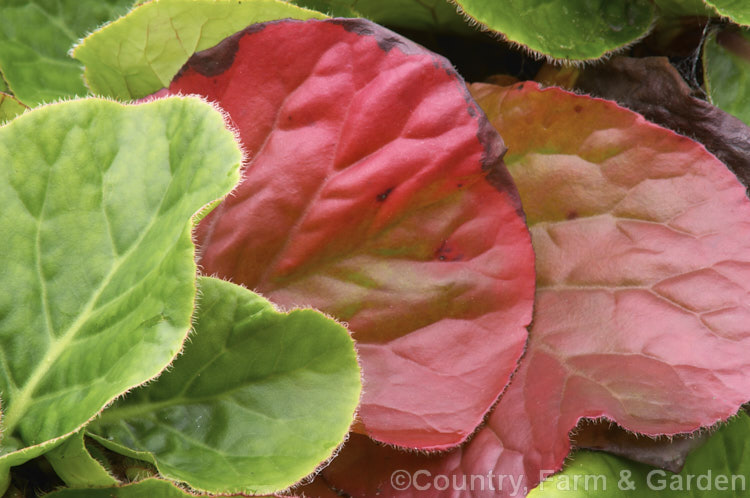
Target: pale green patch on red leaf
<point x="375" y="191"/>
<point x="643" y="259"/>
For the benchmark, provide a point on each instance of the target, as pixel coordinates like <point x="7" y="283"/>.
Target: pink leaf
<point x="374" y="191"/>
<point x="642" y="314"/>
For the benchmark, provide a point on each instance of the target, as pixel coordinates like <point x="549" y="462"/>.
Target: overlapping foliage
<point x="376" y="188"/>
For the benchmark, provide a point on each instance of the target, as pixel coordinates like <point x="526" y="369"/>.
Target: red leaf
<point x="375" y="191"/>
<point x="643" y="311"/>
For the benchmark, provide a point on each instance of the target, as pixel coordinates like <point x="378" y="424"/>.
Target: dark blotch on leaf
<point x="384" y="195"/>
<point x="217" y="59"/>
<point x="382" y="38"/>
<point x="444" y="253"/>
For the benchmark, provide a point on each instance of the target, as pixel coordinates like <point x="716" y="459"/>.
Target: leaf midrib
<point x="20" y="402"/>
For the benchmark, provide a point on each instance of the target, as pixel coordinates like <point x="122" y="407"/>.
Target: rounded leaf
<point x="99" y="277"/>
<point x="643" y="278"/>
<point x="564" y="29"/>
<point x="256" y="401"/>
<point x="155" y="39"/>
<point x="375" y="191"/>
<point x="736" y="10"/>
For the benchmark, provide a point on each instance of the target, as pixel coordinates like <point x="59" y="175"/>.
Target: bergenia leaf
<point x="426" y="15"/>
<point x="564" y="29"/>
<point x="376" y="193"/>
<point x="76" y="467"/>
<point x="334" y="8"/>
<point x="155" y="39"/>
<point x="726" y="66"/>
<point x="256" y="402"/>
<point x="666" y="452"/>
<point x="643" y="267"/>
<point x="35" y="37"/>
<point x="682" y="8"/>
<point x="99" y="278"/>
<point x="148" y="488"/>
<point x="736" y="10"/>
<point x="652" y="87"/>
<point x="719" y="468"/>
<point x="10" y="107"/>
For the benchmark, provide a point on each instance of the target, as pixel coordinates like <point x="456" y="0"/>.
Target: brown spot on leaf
<point x="217" y="59"/>
<point x="446" y="253"/>
<point x="384" y="195"/>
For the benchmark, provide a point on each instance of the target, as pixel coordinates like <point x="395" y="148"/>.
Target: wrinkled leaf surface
<point x="375" y="191"/>
<point x="643" y="248"/>
<point x="256" y="401"/>
<point x="652" y="87"/>
<point x="155" y="39"/>
<point x="99" y="273"/>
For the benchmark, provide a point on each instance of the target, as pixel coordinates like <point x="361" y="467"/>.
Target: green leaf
<point x="718" y="468"/>
<point x="333" y="8"/>
<point x="10" y="107"/>
<point x="681" y="8"/>
<point x="76" y="467"/>
<point x="427" y="15"/>
<point x="147" y="488"/>
<point x="565" y="29"/>
<point x="141" y="52"/>
<point x="16" y="454"/>
<point x="99" y="278"/>
<point x="736" y="10"/>
<point x="726" y="65"/>
<point x="35" y="37"/>
<point x="256" y="402"/>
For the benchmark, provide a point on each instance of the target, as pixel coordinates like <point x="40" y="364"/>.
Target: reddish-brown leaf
<point x="652" y="86"/>
<point x="374" y="191"/>
<point x="642" y="314"/>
